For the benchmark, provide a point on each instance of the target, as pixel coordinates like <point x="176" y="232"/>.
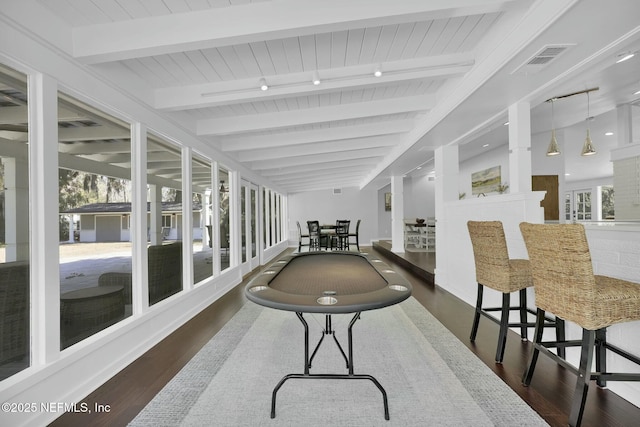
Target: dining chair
<point x="355" y="234"/>
<point x="314" y="235"/>
<point x="565" y="285"/>
<point x="341" y="237"/>
<point x="495" y="270"/>
<point x="428" y="235"/>
<point x="411" y="233"/>
<point x="301" y="236"/>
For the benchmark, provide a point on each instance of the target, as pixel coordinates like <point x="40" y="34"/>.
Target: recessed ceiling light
<point x="378" y="71"/>
<point x="609" y="133"/>
<point x="263" y="84"/>
<point x="637" y="92"/>
<point x="485" y="145"/>
<point x="316" y="78"/>
<point x="567" y="174"/>
<point x="624" y="56"/>
<point x="506" y="123"/>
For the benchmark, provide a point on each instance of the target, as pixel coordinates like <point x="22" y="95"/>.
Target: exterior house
<point x="111" y="222"/>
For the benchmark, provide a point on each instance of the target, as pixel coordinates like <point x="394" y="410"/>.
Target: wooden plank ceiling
<point x="326" y="118"/>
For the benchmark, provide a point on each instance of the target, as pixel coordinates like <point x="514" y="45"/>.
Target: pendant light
<point x="553" y="149"/>
<point x="587" y="148"/>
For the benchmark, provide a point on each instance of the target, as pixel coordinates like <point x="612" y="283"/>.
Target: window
<point x="224" y="226"/>
<point x="607" y="202"/>
<point x="15" y="346"/>
<point x="94" y="155"/>
<point x="164" y="197"/>
<point x="578" y="205"/>
<point x="202" y="219"/>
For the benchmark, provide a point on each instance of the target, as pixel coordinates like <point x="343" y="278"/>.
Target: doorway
<point x="578" y="206"/>
<point x="550" y="203"/>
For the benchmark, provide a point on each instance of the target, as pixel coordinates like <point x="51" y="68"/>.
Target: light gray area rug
<point x="430" y="377"/>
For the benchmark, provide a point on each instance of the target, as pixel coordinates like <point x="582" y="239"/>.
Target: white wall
<point x="419" y="202"/>
<point x="419" y="197"/>
<point x="497" y="157"/>
<point x="384" y="217"/>
<point x="324" y="206"/>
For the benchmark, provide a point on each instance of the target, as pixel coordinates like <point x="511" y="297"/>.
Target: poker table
<point x="328" y="283"/>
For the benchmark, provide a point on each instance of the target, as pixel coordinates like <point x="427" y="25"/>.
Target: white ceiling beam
<point x="289" y="177"/>
<point x="205" y="29"/>
<point x="68" y="161"/>
<point x="285" y="85"/>
<point x="255" y="142"/>
<point x="93" y="147"/>
<point x="339" y="178"/>
<point x="10" y="148"/>
<point x="14" y="115"/>
<point x="20" y="114"/>
<point x="367" y="162"/>
<point x="109" y="158"/>
<point x="319" y="148"/>
<point x="255" y="122"/>
<point x="93" y="133"/>
<point x="318" y="158"/>
<point x="321" y="185"/>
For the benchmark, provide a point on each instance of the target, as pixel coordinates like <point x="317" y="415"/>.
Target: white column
<point x="446" y="181"/>
<point x="187" y="219"/>
<point x="397" y="214"/>
<point x="71" y="229"/>
<point x="234" y="223"/>
<point x="206" y="211"/>
<point x="519" y="148"/>
<point x="45" y="268"/>
<point x="16" y="202"/>
<point x="155" y="220"/>
<point x="446" y="190"/>
<point x="215" y="218"/>
<point x="139" y="223"/>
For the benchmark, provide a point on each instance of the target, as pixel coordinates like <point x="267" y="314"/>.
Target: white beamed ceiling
<point x="199" y="62"/>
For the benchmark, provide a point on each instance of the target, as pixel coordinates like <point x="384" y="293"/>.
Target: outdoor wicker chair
<point x="165" y="273"/>
<point x="565" y="285"/>
<point x="112" y="278"/>
<point x="14" y="315"/>
<point x="495" y="270"/>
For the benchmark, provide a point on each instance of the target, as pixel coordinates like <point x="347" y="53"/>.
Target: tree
<point x="608" y="210"/>
<point x="71" y="194"/>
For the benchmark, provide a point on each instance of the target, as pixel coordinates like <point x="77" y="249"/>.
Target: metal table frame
<point x="328" y="330"/>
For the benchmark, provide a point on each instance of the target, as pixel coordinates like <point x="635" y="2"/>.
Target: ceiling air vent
<point x="541" y="59"/>
<point x="337" y="191"/>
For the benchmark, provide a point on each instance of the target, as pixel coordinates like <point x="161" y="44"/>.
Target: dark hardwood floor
<point x="549" y="394"/>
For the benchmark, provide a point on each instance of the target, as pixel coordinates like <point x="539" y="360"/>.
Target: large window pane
<point x="608" y="206"/>
<point x="202" y="215"/>
<point x="224" y="228"/>
<point x="164" y="177"/>
<point x="94" y="153"/>
<point x="14" y="224"/>
<point x="254" y="223"/>
<point x="243" y="221"/>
